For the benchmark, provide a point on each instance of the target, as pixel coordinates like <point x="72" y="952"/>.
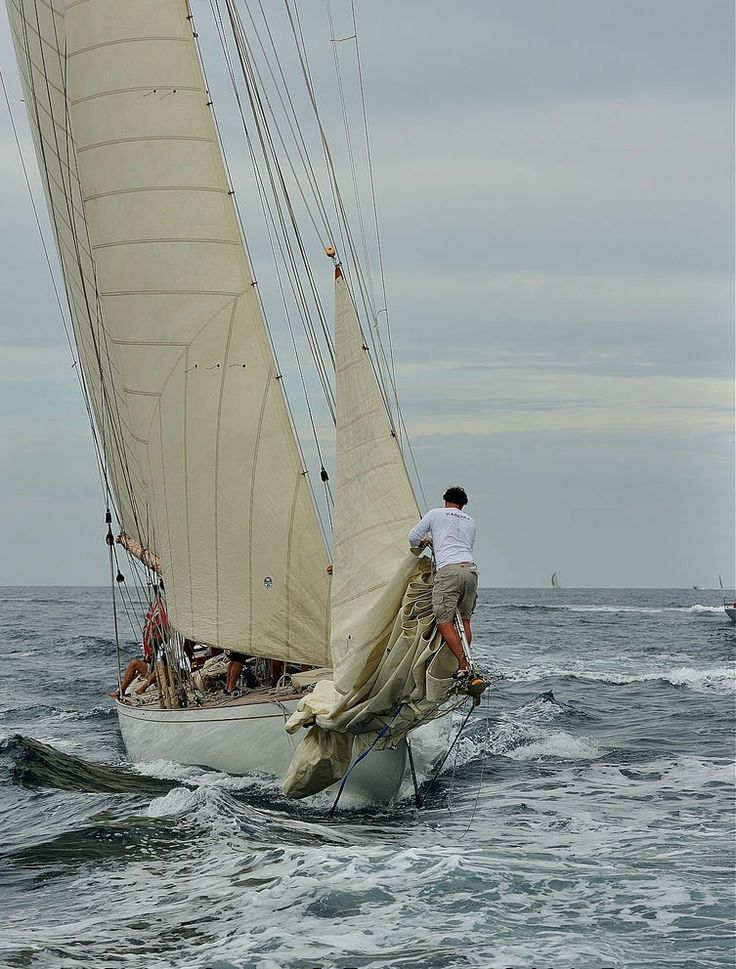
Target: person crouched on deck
<point x="452" y="534"/>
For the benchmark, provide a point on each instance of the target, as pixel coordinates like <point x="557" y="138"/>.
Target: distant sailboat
<point x="555" y="581"/>
<point x="720" y="581"/>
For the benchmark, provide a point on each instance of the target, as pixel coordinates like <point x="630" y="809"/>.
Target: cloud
<point x="555" y="186"/>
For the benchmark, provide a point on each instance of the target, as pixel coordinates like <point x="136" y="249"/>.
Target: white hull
<point x="245" y="738"/>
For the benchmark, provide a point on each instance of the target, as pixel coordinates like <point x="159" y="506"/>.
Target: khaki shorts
<point x="455" y="587"/>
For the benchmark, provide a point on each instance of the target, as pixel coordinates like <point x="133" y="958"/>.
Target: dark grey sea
<point x="584" y="820"/>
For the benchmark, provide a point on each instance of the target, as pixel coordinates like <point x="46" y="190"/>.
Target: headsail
<point x="374" y="506"/>
<point x="391" y="668"/>
<point x="187" y="401"/>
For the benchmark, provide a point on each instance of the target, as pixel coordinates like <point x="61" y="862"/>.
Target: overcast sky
<point x="555" y="185"/>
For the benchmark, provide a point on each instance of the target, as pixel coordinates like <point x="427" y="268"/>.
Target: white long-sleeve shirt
<point x="453" y="535"/>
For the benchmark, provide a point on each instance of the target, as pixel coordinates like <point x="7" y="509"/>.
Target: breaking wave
<point x="697" y="609"/>
<point x="37" y="765"/>
<point x="720" y="678"/>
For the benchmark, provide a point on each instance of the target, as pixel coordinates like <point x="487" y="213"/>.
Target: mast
<point x="200" y="454"/>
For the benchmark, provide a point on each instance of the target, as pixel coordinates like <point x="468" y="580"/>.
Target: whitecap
<point x="559" y="745"/>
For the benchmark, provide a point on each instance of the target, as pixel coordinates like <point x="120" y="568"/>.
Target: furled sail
<point x="197" y="440"/>
<point x="390" y="666"/>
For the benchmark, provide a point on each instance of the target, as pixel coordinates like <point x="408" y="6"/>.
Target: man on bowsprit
<point x="452" y="533"/>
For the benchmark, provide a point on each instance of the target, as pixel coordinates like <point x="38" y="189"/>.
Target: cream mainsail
<point x="198" y="444"/>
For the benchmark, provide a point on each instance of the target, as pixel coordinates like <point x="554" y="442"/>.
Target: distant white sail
<point x="555" y="581"/>
<point x="188" y="405"/>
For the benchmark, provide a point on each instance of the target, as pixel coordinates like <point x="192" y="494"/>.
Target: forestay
<point x="188" y="405"/>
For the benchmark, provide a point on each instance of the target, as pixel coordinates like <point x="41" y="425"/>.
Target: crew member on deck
<point x="155" y="633"/>
<point x="452" y="534"/>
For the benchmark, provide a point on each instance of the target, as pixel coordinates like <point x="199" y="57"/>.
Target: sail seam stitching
<point x="185" y="455"/>
<point x="382" y="524"/>
<point x="217" y="468"/>
<point x="172" y="292"/>
<point x="256" y="450"/>
<point x="126" y="40"/>
<point x="145" y="138"/>
<point x="157" y="242"/>
<point x="134" y="90"/>
<point x="156" y="188"/>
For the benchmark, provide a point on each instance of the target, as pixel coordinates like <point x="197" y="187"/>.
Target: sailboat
<point x="207" y="491"/>
<point x="554" y="581"/>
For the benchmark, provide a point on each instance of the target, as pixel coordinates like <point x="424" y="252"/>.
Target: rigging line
<point x="325" y="230"/>
<point x="290" y="417"/>
<point x="343" y="222"/>
<point x="67" y="197"/>
<point x="287" y="256"/>
<point x="135" y="626"/>
<point x="75" y="364"/>
<point x="252" y="78"/>
<point x="449" y="751"/>
<point x="225" y="50"/>
<point x="53" y="214"/>
<point x="292" y="121"/>
<point x="341" y="211"/>
<point x="110" y="542"/>
<point x="297" y="290"/>
<point x="309" y="168"/>
<point x="373" y="364"/>
<point x="36" y="104"/>
<point x="331" y="173"/>
<point x="111" y="408"/>
<point x="351" y="154"/>
<point x="349" y="246"/>
<point x="381" y="733"/>
<point x="480" y="781"/>
<point x="374" y="203"/>
<point x="118" y="430"/>
<point x="401" y="424"/>
<point x="296" y="357"/>
<point x="371" y="311"/>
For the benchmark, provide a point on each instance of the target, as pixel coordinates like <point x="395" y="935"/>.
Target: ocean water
<point x="584" y="820"/>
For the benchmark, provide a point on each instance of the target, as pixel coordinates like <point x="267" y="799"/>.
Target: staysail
<point x="374" y="506"/>
<point x="187" y="401"/>
<point x="390" y="666"/>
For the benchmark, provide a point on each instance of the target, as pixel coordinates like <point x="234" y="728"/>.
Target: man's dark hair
<point x="456" y="495"/>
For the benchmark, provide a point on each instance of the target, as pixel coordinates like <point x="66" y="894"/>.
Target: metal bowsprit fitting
<point x="474" y="685"/>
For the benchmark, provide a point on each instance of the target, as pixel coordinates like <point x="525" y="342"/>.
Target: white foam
<point x="559" y="745"/>
<point x="181" y="800"/>
<point x="717" y="678"/>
